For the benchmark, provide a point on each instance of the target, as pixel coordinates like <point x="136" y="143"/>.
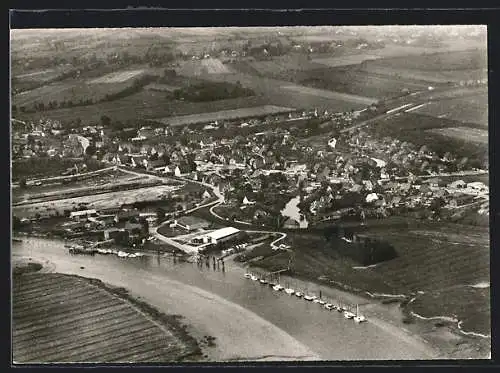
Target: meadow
<point x="470" y="109"/>
<point x="431" y="259"/>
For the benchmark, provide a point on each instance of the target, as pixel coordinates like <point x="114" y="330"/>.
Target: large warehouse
<point x="219" y="235"/>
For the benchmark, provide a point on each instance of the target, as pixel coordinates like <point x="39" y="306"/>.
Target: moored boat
<point x="289" y="291"/>
<point x="278" y="287"/>
<point x="298" y="294"/>
<point x="348" y="315"/>
<point x="359" y="318"/>
<point x="263" y="281"/>
<point x="328" y="306"/>
<point x="247" y="275"/>
<point x="254" y="278"/>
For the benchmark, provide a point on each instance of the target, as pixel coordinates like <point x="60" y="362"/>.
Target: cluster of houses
<point x="122" y="225"/>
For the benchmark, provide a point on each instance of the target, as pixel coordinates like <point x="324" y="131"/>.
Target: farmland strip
<point x="48" y="348"/>
<point x="76" y="329"/>
<point x="89" y="326"/>
<point x="97" y="349"/>
<point x="35" y="282"/>
<point x="68" y="296"/>
<point x="42" y="288"/>
<point x="31" y="316"/>
<point x="51" y="298"/>
<point x="70" y="319"/>
<point x="153" y="345"/>
<point x="44" y="332"/>
<point x="151" y="354"/>
<point x="66" y="299"/>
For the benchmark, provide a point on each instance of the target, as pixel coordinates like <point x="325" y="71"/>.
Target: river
<point x="249" y="320"/>
<point x="291" y="210"/>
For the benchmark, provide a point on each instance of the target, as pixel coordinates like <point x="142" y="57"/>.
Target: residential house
<point x="157" y="165"/>
<point x="246" y="201"/>
<point x="121" y="159"/>
<point x="139" y="161"/>
<point x="181" y="170"/>
<point x="206" y="194"/>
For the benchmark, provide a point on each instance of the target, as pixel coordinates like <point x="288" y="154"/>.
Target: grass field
<point x="204" y="66"/>
<point x="464" y="133"/>
<point x="470" y="109"/>
<point x="273" y="91"/>
<point x="225" y="115"/>
<point x="61" y="318"/>
<point x="117" y="77"/>
<point x="353" y="81"/>
<point x="453" y="60"/>
<point x="457" y="301"/>
<point x="69" y="90"/>
<point x="276" y="65"/>
<point x="43" y="75"/>
<point x="444" y="75"/>
<point x="144" y="105"/>
<point x="431" y="258"/>
<point x="414" y="128"/>
<point x="354" y="59"/>
<point x="327" y="94"/>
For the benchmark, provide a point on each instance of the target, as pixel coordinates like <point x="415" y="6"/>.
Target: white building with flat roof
<point x="219" y="235"/>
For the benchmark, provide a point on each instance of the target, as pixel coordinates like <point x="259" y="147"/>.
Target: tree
<point x="90" y="151"/>
<point x="105" y="121"/>
<point x="16" y="222"/>
<point x="22" y="183"/>
<point x="160" y="214"/>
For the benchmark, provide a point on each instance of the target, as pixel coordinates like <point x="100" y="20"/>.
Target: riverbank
<point x="240" y="335"/>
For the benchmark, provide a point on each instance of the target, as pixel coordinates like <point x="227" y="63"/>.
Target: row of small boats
<point x="311" y="298"/>
<point x="92" y="251"/>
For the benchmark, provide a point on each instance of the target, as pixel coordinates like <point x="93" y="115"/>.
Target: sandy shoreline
<point x="259" y="339"/>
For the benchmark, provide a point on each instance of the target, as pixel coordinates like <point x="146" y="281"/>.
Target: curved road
<point x="212" y="205"/>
